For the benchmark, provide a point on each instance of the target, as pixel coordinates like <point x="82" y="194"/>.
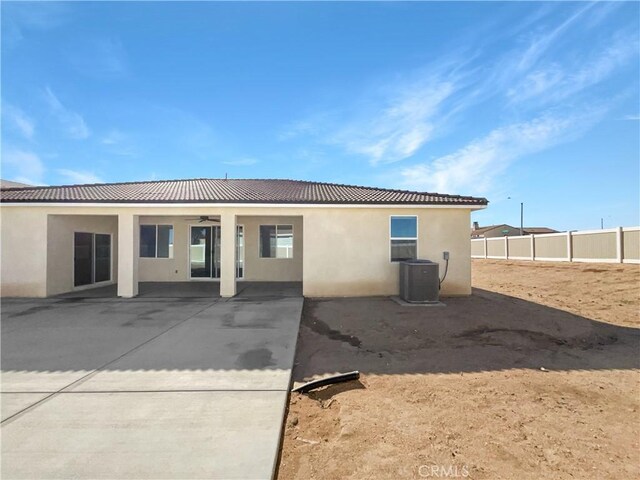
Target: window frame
<point x="276" y="225"/>
<point x="155" y="253"/>
<point x="391" y="217"/>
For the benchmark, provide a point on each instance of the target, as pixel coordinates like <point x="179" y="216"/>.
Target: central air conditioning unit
<point x="419" y="281"/>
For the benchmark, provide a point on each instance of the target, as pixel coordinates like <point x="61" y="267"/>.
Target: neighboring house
<point x="504" y="230"/>
<point x="338" y="240"/>
<point x="10" y="184"/>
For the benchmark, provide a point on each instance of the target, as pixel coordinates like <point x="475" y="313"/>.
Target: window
<point x="156" y="241"/>
<point x="276" y="241"/>
<point x="404" y="238"/>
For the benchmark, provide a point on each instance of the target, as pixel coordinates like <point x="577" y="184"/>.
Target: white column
<point x="485" y="247"/>
<point x="569" y="247"/>
<point x="128" y="252"/>
<point x="506" y="247"/>
<point x="619" y="244"/>
<point x="227" y="255"/>
<point x="533" y="247"/>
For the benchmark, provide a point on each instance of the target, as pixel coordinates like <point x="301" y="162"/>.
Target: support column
<point x="619" y="245"/>
<point x="227" y="255"/>
<point x="128" y="253"/>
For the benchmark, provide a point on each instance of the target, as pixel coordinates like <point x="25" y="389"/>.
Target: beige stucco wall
<point x="176" y="269"/>
<point x="595" y="246"/>
<point x="519" y="247"/>
<point x="551" y="246"/>
<point x="344" y="252"/>
<point x="347" y="250"/>
<point x="631" y="244"/>
<point x="60" y="235"/>
<point x="23" y="252"/>
<point x="495" y="247"/>
<point x="271" y="269"/>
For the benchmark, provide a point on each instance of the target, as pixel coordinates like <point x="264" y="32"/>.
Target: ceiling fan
<point x="205" y="218"/>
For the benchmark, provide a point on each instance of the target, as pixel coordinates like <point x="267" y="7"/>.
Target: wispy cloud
<point x="79" y="176"/>
<point x="474" y="167"/>
<point x="632" y="117"/>
<point x="19" y="18"/>
<point x="103" y="58"/>
<point x="22" y="166"/>
<point x="400" y="127"/>
<point x="539" y="73"/>
<point x="554" y="81"/>
<point x="72" y="122"/>
<point x="19" y="120"/>
<point x="241" y="162"/>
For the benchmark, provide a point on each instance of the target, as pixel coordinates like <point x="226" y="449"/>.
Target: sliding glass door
<point x="91" y="258"/>
<point x="204" y="252"/>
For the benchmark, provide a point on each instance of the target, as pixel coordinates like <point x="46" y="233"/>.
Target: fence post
<point x="533" y="247"/>
<point x="506" y="247"/>
<point x="485" y="247"/>
<point x="619" y="244"/>
<point x="569" y="247"/>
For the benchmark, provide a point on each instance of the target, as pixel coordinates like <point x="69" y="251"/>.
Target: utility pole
<point x="521" y="218"/>
<point x="601" y="223"/>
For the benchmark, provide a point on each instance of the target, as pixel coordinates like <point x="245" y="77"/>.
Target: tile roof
<point x="210" y="190"/>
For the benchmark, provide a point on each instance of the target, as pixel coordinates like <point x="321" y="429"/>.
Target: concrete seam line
<point x="93" y="372"/>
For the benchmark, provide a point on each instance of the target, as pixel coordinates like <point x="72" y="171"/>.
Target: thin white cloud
<point x="632" y="117"/>
<point x="113" y="137"/>
<point x="19" y="121"/>
<point x="72" y="122"/>
<point x="554" y="82"/>
<point x="398" y="128"/>
<point x="241" y="162"/>
<point x="22" y="166"/>
<point x="473" y="168"/>
<point x="79" y="176"/>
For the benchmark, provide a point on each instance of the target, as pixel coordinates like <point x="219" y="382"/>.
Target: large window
<point x="276" y="241"/>
<point x="156" y="241"/>
<point x="404" y="238"/>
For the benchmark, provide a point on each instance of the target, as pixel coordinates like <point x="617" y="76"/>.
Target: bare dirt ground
<point x="536" y="375"/>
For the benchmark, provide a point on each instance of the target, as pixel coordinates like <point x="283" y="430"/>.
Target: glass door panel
<point x="82" y="259"/>
<point x="102" y="267"/>
<point x="200" y="252"/>
<point x="216" y="252"/>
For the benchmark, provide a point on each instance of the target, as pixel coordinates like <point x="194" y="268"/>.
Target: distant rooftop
<point x="10" y="184"/>
<point x="213" y="190"/>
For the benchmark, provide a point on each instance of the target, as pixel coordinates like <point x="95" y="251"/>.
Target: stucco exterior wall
<point x="176" y="269"/>
<point x="60" y="241"/>
<point x="23" y="252"/>
<point x="271" y="269"/>
<point x="344" y="251"/>
<point x="347" y="250"/>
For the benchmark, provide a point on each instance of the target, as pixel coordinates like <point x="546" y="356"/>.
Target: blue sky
<point x="539" y="102"/>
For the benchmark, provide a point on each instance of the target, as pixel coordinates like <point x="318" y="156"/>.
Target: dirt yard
<point x="537" y="375"/>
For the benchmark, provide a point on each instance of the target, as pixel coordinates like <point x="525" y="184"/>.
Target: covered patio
<point x="253" y="290"/>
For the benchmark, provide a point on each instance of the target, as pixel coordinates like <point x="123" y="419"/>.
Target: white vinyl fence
<point x="614" y="245"/>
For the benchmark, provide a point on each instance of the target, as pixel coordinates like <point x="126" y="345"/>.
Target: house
<point x="338" y="240"/>
<point x="504" y="230"/>
<point x="10" y="184"/>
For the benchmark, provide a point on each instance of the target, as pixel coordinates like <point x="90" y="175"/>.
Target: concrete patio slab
<point x="175" y="387"/>
<point x="245" y="346"/>
<point x="50" y="345"/>
<point x="12" y="403"/>
<point x="171" y="435"/>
